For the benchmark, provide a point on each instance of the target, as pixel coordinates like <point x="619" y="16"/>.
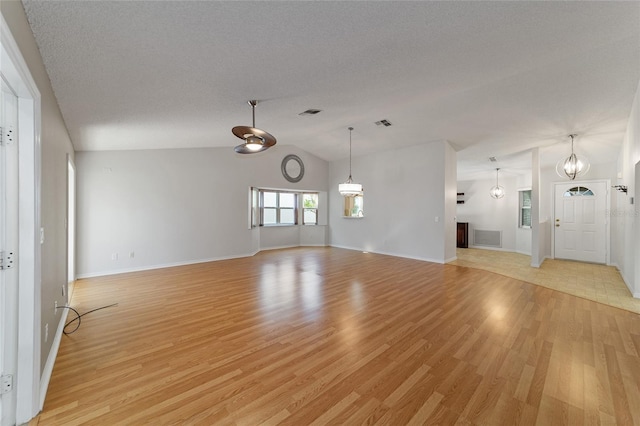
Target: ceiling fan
<point x="255" y="140"/>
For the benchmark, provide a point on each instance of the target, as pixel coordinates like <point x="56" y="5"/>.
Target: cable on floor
<point x="79" y="316"/>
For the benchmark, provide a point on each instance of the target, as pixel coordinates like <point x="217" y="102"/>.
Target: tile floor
<point x="594" y="282"/>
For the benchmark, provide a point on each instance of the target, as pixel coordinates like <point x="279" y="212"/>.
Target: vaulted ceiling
<point x="492" y="78"/>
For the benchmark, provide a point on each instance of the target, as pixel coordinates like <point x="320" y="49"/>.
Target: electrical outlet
<point x="6" y="384"/>
<point x="46" y="332"/>
<point x="114" y="256"/>
<point x="131" y="255"/>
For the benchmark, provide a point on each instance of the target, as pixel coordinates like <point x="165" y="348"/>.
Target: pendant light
<point x="350" y="189"/>
<point x="572" y="166"/>
<point x="497" y="191"/>
<point x="255" y="140"/>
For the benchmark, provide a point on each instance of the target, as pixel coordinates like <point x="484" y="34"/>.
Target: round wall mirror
<point x="292" y="168"/>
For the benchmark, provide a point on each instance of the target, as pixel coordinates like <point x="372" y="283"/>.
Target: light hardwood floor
<point x="331" y="336"/>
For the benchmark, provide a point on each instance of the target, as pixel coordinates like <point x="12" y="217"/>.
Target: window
<point x="271" y="207"/>
<point x="525" y="208"/>
<point x="278" y="208"/>
<point x="353" y="206"/>
<point x="254" y="204"/>
<point x="578" y="191"/>
<point x="310" y="209"/>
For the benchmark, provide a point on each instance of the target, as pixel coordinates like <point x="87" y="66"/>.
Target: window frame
<point x="304" y="209"/>
<point x="522" y="207"/>
<point x="278" y="208"/>
<point x="298" y="209"/>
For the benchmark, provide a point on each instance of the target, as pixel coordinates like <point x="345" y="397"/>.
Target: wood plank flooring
<point x="314" y="336"/>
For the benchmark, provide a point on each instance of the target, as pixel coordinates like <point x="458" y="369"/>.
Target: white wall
<point x="179" y="206"/>
<point x="404" y="191"/>
<point x="55" y="146"/>
<point x="486" y="213"/>
<point x="626" y="232"/>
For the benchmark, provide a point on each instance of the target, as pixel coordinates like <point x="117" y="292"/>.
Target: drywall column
<point x="635" y="225"/>
<point x="536" y="245"/>
<point x="450" y="202"/>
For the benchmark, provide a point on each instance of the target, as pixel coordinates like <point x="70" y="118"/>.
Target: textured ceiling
<point x="493" y="78"/>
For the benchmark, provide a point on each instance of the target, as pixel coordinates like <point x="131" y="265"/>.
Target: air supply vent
<point x="385" y="123"/>
<point x="311" y="111"/>
<point x="492" y="159"/>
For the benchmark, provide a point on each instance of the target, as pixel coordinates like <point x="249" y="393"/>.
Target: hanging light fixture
<point x="255" y="140"/>
<point x="497" y="191"/>
<point x="572" y="166"/>
<point x="350" y="189"/>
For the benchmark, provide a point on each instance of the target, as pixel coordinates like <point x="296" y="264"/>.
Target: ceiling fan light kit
<point x="255" y="140"/>
<point x="572" y="166"/>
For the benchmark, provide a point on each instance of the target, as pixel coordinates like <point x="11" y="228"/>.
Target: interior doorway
<point x="580" y="221"/>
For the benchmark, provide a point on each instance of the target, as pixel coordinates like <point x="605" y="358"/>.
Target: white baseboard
<point x="45" y="378"/>
<point x="523" y="252"/>
<point x="279" y="247"/>
<point x="160" y="266"/>
<point x="541" y="262"/>
<point x="626" y="281"/>
<point x="490" y="248"/>
<point x="424" y="259"/>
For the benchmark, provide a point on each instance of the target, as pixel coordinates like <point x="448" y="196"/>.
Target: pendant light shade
<point x="496" y="191"/>
<point x="255" y="140"/>
<point x="572" y="166"/>
<point x="350" y="189"/>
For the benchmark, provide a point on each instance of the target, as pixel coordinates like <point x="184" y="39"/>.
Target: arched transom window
<point x="579" y="191"/>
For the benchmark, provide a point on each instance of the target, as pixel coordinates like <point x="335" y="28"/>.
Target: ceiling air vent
<point x="311" y="111"/>
<point x="492" y="159"/>
<point x="384" y="123"/>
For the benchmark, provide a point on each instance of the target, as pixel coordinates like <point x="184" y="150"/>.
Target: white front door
<point x="580" y="221"/>
<point x="8" y="253"/>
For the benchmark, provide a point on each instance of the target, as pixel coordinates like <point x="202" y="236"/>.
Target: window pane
<point x="579" y="190"/>
<point x="353" y="206"/>
<point x="310" y="217"/>
<point x="287" y="216"/>
<point x="269" y="216"/>
<point x="525" y="209"/>
<point x="270" y="199"/>
<point x="526" y="217"/>
<point x="359" y="206"/>
<point x="310" y="201"/>
<point x="287" y="200"/>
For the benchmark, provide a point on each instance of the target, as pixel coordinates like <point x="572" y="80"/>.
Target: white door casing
<point x="580" y="221"/>
<point x="8" y="249"/>
<point x="28" y="387"/>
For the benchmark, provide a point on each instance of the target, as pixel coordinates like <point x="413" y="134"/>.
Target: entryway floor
<point x="600" y="283"/>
